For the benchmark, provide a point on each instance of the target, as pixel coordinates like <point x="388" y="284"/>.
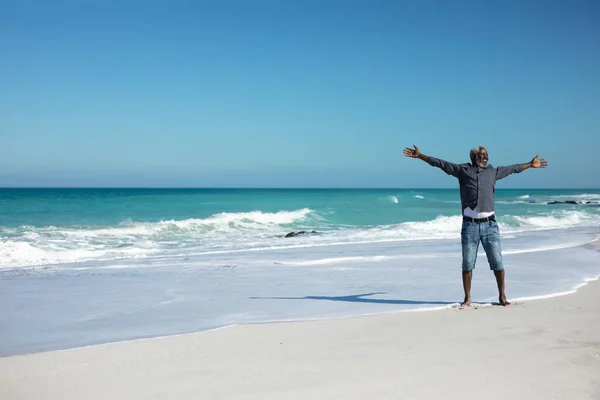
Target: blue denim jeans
<point x="488" y="234"/>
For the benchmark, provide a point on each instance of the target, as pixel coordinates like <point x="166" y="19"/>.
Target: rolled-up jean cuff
<point x="468" y="268"/>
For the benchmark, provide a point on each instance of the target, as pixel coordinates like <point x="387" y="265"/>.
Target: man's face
<point x="481" y="158"/>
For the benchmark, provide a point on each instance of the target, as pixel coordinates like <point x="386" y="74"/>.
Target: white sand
<point x="543" y="349"/>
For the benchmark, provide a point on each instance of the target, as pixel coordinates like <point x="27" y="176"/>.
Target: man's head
<point x="479" y="156"/>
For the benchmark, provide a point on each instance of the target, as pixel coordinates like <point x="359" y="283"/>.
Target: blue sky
<point x="295" y="93"/>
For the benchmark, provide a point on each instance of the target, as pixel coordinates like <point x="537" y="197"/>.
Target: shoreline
<point x="546" y="348"/>
<point x="475" y="305"/>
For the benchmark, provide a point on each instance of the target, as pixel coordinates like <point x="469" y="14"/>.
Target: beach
<point x="208" y="300"/>
<point x="541" y="349"/>
<point x="293" y="200"/>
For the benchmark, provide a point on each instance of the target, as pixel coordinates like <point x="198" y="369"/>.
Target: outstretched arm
<point x="447" y="167"/>
<point x="503" y="172"/>
<point x="536" y="163"/>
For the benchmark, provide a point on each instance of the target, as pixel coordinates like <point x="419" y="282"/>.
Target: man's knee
<point x="469" y="256"/>
<point x="495" y="260"/>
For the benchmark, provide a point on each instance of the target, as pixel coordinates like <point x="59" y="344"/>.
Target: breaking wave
<point x="224" y="232"/>
<point x="28" y="245"/>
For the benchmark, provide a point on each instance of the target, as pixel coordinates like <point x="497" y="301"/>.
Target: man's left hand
<point x="539" y="162"/>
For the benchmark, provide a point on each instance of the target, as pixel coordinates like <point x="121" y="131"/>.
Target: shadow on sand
<point x="360" y="298"/>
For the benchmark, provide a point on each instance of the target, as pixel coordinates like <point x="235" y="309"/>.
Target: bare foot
<point x="466" y="302"/>
<point x="503" y="302"/>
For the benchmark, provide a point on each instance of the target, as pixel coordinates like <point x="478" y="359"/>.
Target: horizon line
<point x="278" y="188"/>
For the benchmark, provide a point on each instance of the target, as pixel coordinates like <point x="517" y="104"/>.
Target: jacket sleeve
<point x="447" y="167"/>
<point x="503" y="172"/>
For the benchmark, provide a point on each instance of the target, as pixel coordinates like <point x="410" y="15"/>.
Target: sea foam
<point x="225" y="232"/>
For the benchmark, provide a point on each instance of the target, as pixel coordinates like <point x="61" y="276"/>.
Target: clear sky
<point x="296" y="93"/>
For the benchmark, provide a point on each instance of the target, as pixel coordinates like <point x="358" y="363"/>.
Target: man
<point x="477" y="182"/>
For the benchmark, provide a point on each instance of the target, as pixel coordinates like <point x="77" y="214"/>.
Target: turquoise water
<point x="105" y="207"/>
<point x="91" y="266"/>
<point x="46" y="226"/>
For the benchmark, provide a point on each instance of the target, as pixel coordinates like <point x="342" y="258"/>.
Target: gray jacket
<point x="477" y="185"/>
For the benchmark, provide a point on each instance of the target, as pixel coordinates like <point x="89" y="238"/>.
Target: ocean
<point x="90" y="266"/>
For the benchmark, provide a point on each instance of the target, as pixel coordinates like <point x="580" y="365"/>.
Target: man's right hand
<point x="412" y="153"/>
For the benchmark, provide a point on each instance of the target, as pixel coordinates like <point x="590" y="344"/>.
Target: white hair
<point x="474" y="151"/>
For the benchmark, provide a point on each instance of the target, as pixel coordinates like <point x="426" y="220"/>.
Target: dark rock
<point x="293" y="234"/>
<point x="563" y="202"/>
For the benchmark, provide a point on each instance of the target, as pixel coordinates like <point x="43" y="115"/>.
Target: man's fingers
<point x="543" y="163"/>
<point x="414" y="153"/>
